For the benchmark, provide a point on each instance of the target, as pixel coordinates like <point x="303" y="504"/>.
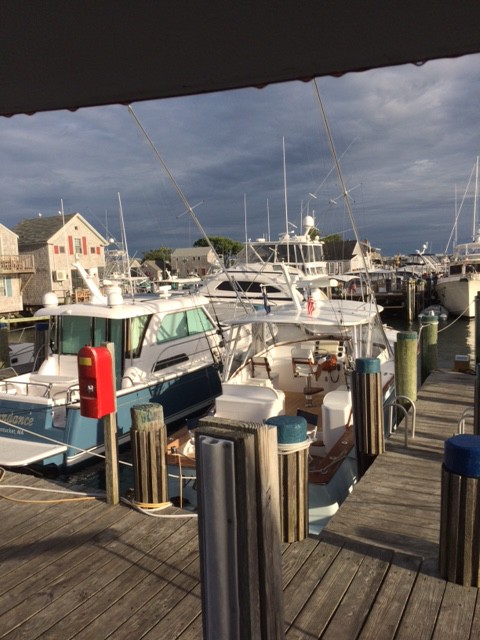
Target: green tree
<point x="223" y="246"/>
<point x="334" y="237"/>
<point x="162" y="253"/>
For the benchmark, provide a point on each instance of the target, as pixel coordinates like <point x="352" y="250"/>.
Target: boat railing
<point x="399" y="405"/>
<point x="26" y="388"/>
<point x="469" y="412"/>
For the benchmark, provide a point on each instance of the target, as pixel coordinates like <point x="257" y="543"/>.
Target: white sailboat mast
<point x="475" y="203"/>
<point x="287" y="236"/>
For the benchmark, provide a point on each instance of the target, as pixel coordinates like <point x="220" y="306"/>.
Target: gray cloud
<point x="406" y="136"/>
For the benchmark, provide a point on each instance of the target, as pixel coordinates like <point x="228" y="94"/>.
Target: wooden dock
<point x="86" y="570"/>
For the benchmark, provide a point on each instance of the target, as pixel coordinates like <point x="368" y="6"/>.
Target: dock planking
<point x="88" y="570"/>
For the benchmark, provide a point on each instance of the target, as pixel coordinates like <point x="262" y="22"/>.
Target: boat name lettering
<point x="23" y="421"/>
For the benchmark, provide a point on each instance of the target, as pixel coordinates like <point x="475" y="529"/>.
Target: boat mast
<point x="190" y="211"/>
<point x="347" y="203"/>
<point x="125" y="258"/>
<point x="475" y="203"/>
<point x="286" y="201"/>
<point x="245" y="224"/>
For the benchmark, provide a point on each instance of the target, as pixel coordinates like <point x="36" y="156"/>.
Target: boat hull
<point x="32" y="421"/>
<point x="458" y="295"/>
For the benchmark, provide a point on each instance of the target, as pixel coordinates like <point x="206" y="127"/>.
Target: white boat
<point x="300" y="363"/>
<point x="167" y="350"/>
<point x="458" y="288"/>
<point x="301" y="251"/>
<point x="270" y="274"/>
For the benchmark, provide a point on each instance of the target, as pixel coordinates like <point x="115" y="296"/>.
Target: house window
<point x="5" y="287"/>
<point x="61" y="249"/>
<point x="92" y="249"/>
<point x="77" y="245"/>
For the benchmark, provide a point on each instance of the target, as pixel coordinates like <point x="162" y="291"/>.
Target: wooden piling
<point x="419" y="296"/>
<point x="476" y="401"/>
<point x="428" y="345"/>
<point x="239" y="531"/>
<point x="293" y="448"/>
<point x="409" y="289"/>
<point x="477" y="329"/>
<point x="459" y="549"/>
<point x="406" y="364"/>
<point x="149" y="443"/>
<point x="367" y="412"/>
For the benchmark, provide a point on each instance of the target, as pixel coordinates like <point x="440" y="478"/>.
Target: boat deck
<point x="92" y="571"/>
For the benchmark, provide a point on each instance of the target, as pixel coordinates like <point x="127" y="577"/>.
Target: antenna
<point x="268" y="221"/>
<point x="126" y="259"/>
<point x="62" y="212"/>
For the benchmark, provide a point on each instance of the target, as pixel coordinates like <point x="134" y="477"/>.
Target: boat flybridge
<point x="166" y="350"/>
<point x="301" y="251"/>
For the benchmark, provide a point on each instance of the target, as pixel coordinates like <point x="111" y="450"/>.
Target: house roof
<point x="4" y="229"/>
<point x="66" y="55"/>
<point x="191" y="251"/>
<point x="38" y="231"/>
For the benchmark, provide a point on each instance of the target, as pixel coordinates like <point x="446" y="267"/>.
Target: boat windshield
<point x="70" y="333"/>
<point x="182" y="324"/>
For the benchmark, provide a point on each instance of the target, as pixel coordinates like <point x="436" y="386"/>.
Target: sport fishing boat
<point x="300" y="363"/>
<point x="167" y="350"/>
<point x="460" y="285"/>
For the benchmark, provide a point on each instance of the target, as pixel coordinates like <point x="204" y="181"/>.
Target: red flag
<point x="310" y="305"/>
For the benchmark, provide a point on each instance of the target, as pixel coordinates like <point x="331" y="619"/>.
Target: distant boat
<point x="167" y="350"/>
<point x="458" y="288"/>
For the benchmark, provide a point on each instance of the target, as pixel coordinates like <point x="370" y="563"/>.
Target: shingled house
<point x="14" y="272"/>
<point x="57" y="242"/>
<point x="344" y="256"/>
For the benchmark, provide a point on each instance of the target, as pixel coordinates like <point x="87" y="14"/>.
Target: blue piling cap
<point x="462" y="455"/>
<point x="367" y="365"/>
<point x="290" y="429"/>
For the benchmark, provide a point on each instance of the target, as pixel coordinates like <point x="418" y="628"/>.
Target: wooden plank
<point x="353" y="610"/>
<point x="144" y="579"/>
<point x="387" y="610"/>
<point x="456" y="613"/>
<point x="312" y="621"/>
<point x="422" y="610"/>
<point x="54" y="599"/>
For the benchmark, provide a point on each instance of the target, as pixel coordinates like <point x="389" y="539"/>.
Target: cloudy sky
<point x="407" y="138"/>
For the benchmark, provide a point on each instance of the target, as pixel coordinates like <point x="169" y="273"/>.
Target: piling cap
<point x="430" y="318"/>
<point x="367" y="365"/>
<point x="290" y="429"/>
<point x="462" y="455"/>
<point x="406" y="335"/>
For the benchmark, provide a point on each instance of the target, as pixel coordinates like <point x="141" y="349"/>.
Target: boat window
<point x="138" y="327"/>
<point x="182" y="324"/>
<point x="174" y="326"/>
<point x="243" y="285"/>
<point x="198" y="322"/>
<point x="76" y="332"/>
<point x="99" y="331"/>
<point x="455" y="269"/>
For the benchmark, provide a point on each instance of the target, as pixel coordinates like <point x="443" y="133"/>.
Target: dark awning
<point x="57" y="54"/>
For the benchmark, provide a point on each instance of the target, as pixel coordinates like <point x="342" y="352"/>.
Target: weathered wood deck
<point x="86" y="570"/>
